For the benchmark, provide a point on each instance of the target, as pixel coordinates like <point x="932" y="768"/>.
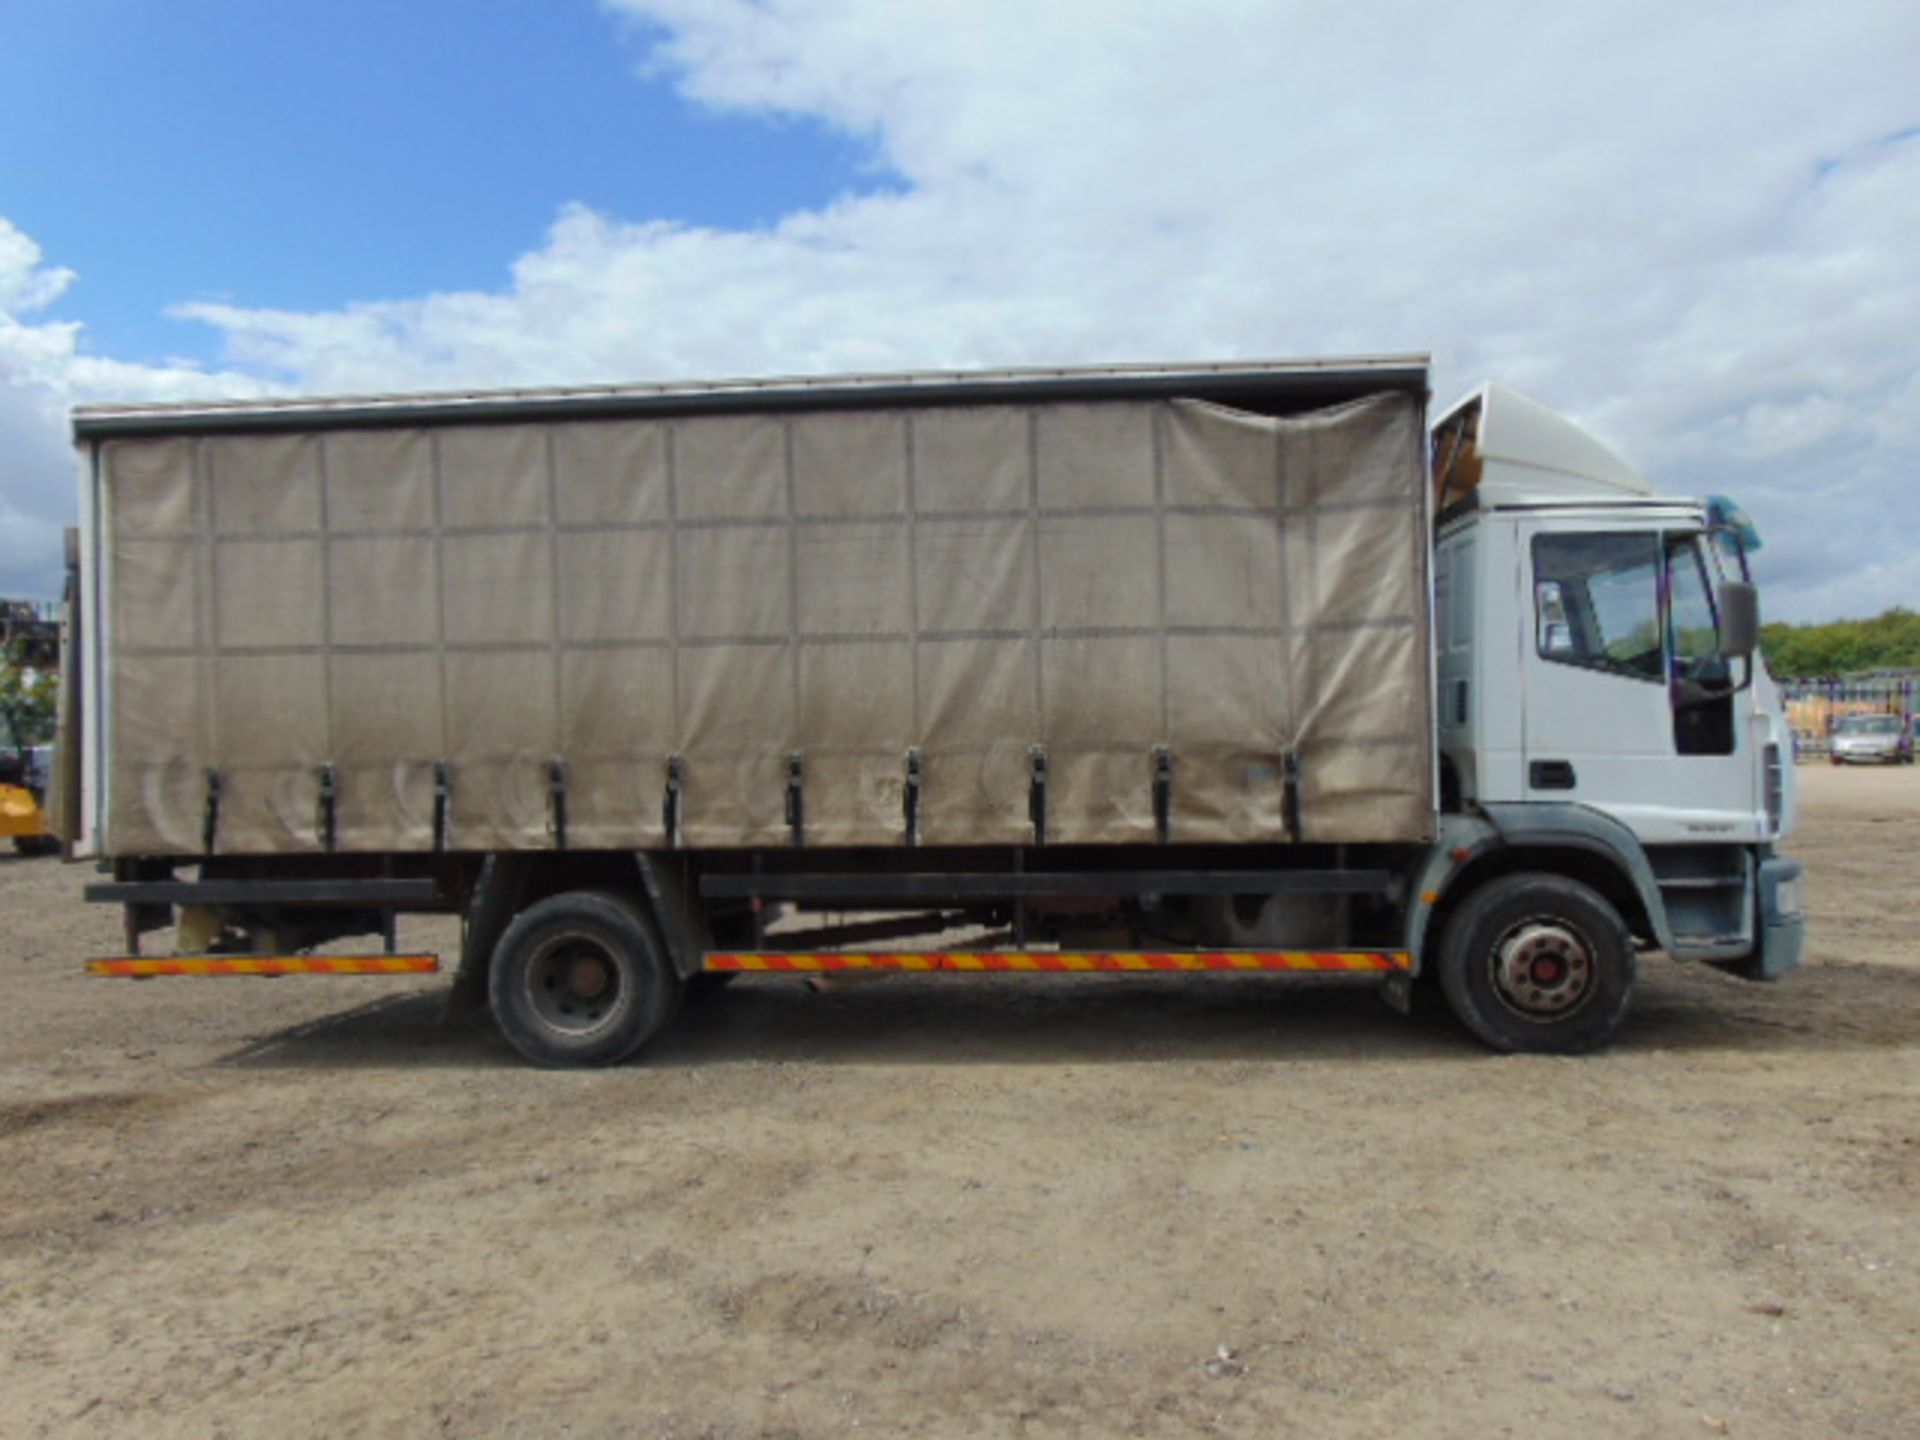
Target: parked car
<point x="1872" y="739"/>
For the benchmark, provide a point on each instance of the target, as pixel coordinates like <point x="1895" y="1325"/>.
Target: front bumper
<point x="1780" y="939"/>
<point x="1783" y="920"/>
<point x="1867" y="754"/>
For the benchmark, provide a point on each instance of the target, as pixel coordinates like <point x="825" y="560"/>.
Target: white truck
<point x="1153" y="670"/>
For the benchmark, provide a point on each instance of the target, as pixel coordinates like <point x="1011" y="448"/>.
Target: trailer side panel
<point x="1108" y="621"/>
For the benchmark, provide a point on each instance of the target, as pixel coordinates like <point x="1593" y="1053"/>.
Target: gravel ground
<point x="1094" y="1206"/>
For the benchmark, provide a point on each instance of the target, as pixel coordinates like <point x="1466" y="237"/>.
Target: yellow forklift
<point x="24" y="772"/>
<point x="31" y="640"/>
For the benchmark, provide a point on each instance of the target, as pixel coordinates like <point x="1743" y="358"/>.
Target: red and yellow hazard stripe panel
<point x="136" y="966"/>
<point x="1385" y="961"/>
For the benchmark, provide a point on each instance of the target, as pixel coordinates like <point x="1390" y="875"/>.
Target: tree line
<point x="1889" y="641"/>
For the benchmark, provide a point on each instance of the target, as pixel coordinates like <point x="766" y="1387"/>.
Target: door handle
<point x="1550" y="775"/>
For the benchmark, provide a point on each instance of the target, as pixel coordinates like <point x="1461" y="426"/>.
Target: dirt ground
<point x="969" y="1205"/>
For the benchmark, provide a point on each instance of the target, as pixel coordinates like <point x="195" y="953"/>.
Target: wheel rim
<point x="1543" y="969"/>
<point x="575" y="984"/>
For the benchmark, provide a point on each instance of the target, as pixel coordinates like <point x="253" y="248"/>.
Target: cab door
<point x="1627" y="705"/>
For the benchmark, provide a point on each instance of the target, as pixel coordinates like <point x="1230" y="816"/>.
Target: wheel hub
<point x="1543" y="968"/>
<point x="588" y="977"/>
<point x="573" y="984"/>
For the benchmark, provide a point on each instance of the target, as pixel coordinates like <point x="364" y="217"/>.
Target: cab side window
<point x="1597" y="602"/>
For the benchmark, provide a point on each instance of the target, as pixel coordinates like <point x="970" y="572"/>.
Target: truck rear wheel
<point x="1539" y="964"/>
<point x="580" y="979"/>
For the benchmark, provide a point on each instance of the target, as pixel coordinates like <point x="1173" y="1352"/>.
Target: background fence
<point x="1814" y="707"/>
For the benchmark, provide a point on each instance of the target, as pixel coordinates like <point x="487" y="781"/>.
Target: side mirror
<point x="1555" y="634"/>
<point x="1739" y="620"/>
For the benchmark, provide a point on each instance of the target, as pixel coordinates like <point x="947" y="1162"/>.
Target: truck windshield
<point x="1696" y="632"/>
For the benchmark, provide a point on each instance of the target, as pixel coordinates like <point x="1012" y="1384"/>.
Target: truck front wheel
<point x="580" y="979"/>
<point x="1537" y="963"/>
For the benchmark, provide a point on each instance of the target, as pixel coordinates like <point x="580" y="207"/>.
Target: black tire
<point x="37" y="844"/>
<point x="1538" y="964"/>
<point x="581" y="979"/>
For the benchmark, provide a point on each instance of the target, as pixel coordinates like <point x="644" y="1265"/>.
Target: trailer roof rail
<point x="1250" y="382"/>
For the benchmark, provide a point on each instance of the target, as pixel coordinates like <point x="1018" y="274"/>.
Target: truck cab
<point x="1598" y="686"/>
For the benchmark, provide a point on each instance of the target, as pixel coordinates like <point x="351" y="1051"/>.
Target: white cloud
<point x="44" y="371"/>
<point x="1689" y="225"/>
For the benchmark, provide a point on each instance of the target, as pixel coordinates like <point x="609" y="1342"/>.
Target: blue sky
<point x="1690" y="227"/>
<point x="303" y="157"/>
